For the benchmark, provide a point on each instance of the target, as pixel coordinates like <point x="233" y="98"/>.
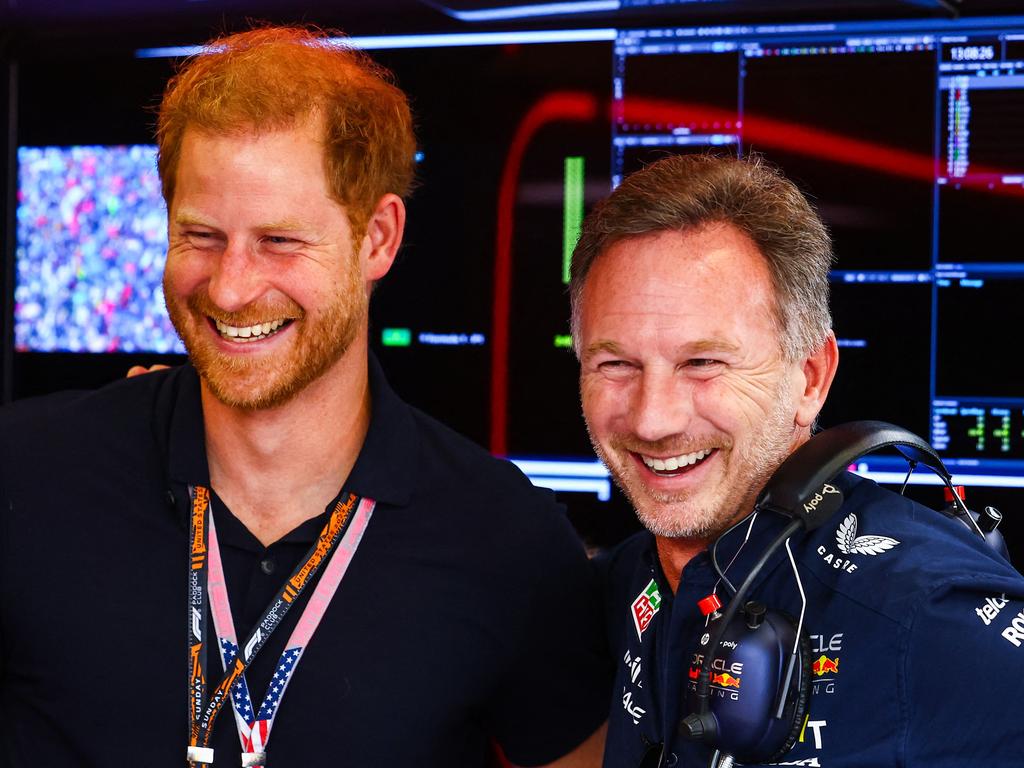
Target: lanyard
<point x="206" y="583"/>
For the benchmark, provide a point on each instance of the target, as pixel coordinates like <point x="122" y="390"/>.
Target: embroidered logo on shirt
<point x="816" y="726"/>
<point x="1015" y="632"/>
<point x="634" y="665"/>
<point x="645" y="606"/>
<point x="632" y="709"/>
<point x="990" y="610"/>
<point x="852" y="544"/>
<point x="825" y="666"/>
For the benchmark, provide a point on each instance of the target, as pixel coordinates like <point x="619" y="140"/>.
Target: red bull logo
<point x="725" y="680"/>
<point x="825" y="666"/>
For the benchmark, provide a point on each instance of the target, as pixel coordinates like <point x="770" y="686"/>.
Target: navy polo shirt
<point x="468" y="614"/>
<point x="917" y="641"/>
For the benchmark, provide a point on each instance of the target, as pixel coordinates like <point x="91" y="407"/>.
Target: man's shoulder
<point x="889" y="553"/>
<point x="452" y="460"/>
<point x="47" y="427"/>
<point x="476" y="497"/>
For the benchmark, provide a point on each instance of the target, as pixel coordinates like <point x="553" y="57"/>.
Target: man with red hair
<point x="274" y="502"/>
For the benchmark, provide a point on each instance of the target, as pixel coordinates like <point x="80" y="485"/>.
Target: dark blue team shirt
<point x="469" y="613"/>
<point x="918" y="648"/>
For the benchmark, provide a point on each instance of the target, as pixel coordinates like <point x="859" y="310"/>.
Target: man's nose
<point x="238" y="278"/>
<point x="662" y="405"/>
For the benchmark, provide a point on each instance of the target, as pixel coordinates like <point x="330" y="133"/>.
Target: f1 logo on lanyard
<point x="335" y="546"/>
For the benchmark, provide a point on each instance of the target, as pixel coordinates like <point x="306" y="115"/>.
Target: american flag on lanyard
<point x="260" y="730"/>
<point x="239" y="691"/>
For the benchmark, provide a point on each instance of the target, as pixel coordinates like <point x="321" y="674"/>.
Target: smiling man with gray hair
<point x="700" y="317"/>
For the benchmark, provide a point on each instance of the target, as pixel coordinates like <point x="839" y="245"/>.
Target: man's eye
<point x="281" y="243"/>
<point x="703" y="366"/>
<point x="615" y="367"/>
<point x="201" y="238"/>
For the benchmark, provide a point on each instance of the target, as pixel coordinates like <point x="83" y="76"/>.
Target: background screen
<point x="907" y="136"/>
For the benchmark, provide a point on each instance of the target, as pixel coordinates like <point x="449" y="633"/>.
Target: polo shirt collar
<point x="186" y="448"/>
<point x="385" y="469"/>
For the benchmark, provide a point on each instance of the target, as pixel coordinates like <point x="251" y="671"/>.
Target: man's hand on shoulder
<point x="138" y="370"/>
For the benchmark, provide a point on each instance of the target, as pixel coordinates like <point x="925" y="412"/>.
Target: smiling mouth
<point x="241" y="334"/>
<point x="676" y="465"/>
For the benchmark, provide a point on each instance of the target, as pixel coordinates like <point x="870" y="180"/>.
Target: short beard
<point x="765" y="454"/>
<point x="257" y="384"/>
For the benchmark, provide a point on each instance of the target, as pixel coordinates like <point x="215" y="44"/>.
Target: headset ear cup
<point x="803" y="693"/>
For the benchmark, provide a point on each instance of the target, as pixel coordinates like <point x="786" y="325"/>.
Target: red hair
<point x="275" y="77"/>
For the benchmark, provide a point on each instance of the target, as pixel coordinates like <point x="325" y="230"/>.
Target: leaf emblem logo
<point x="852" y="544"/>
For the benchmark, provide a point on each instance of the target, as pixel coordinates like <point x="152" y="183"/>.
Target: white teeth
<point x="675" y="462"/>
<point x="250" y="332"/>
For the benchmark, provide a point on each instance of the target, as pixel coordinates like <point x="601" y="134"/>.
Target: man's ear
<point x="818" y="369"/>
<point x="383" y="237"/>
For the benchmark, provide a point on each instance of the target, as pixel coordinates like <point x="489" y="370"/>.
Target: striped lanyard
<point x="206" y="584"/>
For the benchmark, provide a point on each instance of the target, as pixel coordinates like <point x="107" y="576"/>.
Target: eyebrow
<point x="184" y="218"/>
<point x="187" y="219"/>
<point x="291" y="225"/>
<point x="701" y="346"/>
<point x="602" y="346"/>
<point x="709" y="345"/>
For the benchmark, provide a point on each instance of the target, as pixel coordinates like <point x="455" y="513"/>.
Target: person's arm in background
<point x="589" y="754"/>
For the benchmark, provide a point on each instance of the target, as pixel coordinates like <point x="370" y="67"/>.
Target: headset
<point x="770" y="648"/>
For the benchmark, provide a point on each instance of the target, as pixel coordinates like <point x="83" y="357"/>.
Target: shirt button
<point x="268" y="565"/>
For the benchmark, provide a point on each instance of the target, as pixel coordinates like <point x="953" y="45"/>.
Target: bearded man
<point x="183" y="548"/>
<point x="701" y="319"/>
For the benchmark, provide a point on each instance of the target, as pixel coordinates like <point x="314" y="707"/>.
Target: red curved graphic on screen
<point x="554" y="107"/>
<point x="781" y="134"/>
<point x="756" y="130"/>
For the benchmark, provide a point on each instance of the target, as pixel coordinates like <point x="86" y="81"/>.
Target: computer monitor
<point x="905" y="135"/>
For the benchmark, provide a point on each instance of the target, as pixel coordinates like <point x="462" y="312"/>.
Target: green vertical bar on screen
<point x="573" y="220"/>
